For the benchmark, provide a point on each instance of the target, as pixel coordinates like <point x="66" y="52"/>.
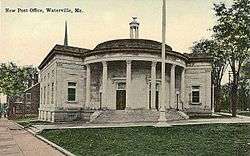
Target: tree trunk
<point x="234" y="97"/>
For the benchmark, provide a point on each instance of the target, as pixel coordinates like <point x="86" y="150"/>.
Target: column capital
<point x="173" y="66"/>
<point x="104" y="63"/>
<point x="154" y="63"/>
<point x="87" y="65"/>
<point x="128" y="61"/>
<point x="183" y="69"/>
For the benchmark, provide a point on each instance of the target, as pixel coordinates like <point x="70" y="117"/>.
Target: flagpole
<point x="162" y="117"/>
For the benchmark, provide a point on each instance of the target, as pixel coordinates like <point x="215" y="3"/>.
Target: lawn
<point x="214" y="139"/>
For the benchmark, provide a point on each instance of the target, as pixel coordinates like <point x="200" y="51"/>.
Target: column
<point x="137" y="33"/>
<point x="153" y="84"/>
<point x="172" y="86"/>
<point x="104" y="83"/>
<point x="128" y="83"/>
<point x="45" y="115"/>
<point x="88" y="79"/>
<point x="183" y="87"/>
<point x="53" y="117"/>
<point x="131" y="33"/>
<point x="40" y="115"/>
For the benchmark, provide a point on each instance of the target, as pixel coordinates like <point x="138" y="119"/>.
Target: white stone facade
<point x="54" y="78"/>
<point x="121" y="78"/>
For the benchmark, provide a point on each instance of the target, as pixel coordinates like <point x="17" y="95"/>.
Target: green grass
<point x="214" y="139"/>
<point x="32" y="122"/>
<point x="25" y="118"/>
<point x="28" y="121"/>
<point x="244" y="113"/>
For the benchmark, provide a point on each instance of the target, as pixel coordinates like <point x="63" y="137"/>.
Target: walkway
<point x="15" y="141"/>
<point x="239" y="119"/>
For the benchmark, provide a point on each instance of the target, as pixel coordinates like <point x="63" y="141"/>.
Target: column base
<point x="162" y="117"/>
<point x="162" y="124"/>
<point x="162" y="121"/>
<point x="128" y="108"/>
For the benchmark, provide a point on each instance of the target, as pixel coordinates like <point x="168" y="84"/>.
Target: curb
<point x="62" y="150"/>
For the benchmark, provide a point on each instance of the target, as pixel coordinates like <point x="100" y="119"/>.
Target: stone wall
<point x="199" y="74"/>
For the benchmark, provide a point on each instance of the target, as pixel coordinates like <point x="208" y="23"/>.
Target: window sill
<point x="72" y="102"/>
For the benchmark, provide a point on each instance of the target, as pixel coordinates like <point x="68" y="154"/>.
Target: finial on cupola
<point x="66" y="35"/>
<point x="134" y="28"/>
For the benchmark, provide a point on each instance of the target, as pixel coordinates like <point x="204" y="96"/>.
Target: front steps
<point x="128" y="116"/>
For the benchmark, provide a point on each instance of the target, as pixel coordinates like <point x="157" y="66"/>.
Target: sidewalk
<point x="239" y="116"/>
<point x="15" y="141"/>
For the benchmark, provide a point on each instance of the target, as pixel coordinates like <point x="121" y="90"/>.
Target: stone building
<point x="120" y="77"/>
<point x="31" y="99"/>
<point x="27" y="103"/>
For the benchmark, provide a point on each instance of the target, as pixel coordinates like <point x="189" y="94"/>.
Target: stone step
<point x="110" y="116"/>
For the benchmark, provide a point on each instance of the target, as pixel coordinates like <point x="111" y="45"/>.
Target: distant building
<point x="31" y="99"/>
<point x="15" y="106"/>
<point x="27" y="103"/>
<point x="122" y="78"/>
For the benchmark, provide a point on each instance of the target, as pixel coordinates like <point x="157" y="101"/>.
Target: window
<point x="52" y="73"/>
<point x="71" y="91"/>
<point x="121" y="86"/>
<point x="52" y="93"/>
<point x="28" y="97"/>
<point x="195" y="94"/>
<point x="44" y="95"/>
<point x="48" y="89"/>
<point x="41" y="95"/>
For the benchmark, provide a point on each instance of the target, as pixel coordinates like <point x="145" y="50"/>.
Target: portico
<point x="138" y="77"/>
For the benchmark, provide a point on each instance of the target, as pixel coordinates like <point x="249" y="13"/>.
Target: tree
<point x="219" y="64"/>
<point x="14" y="80"/>
<point x="233" y="33"/>
<point x="225" y="102"/>
<point x="246" y="70"/>
<point x="244" y="86"/>
<point x="244" y="95"/>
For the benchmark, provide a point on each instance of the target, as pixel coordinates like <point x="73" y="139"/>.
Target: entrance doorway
<point x="121" y="96"/>
<point x="157" y="97"/>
